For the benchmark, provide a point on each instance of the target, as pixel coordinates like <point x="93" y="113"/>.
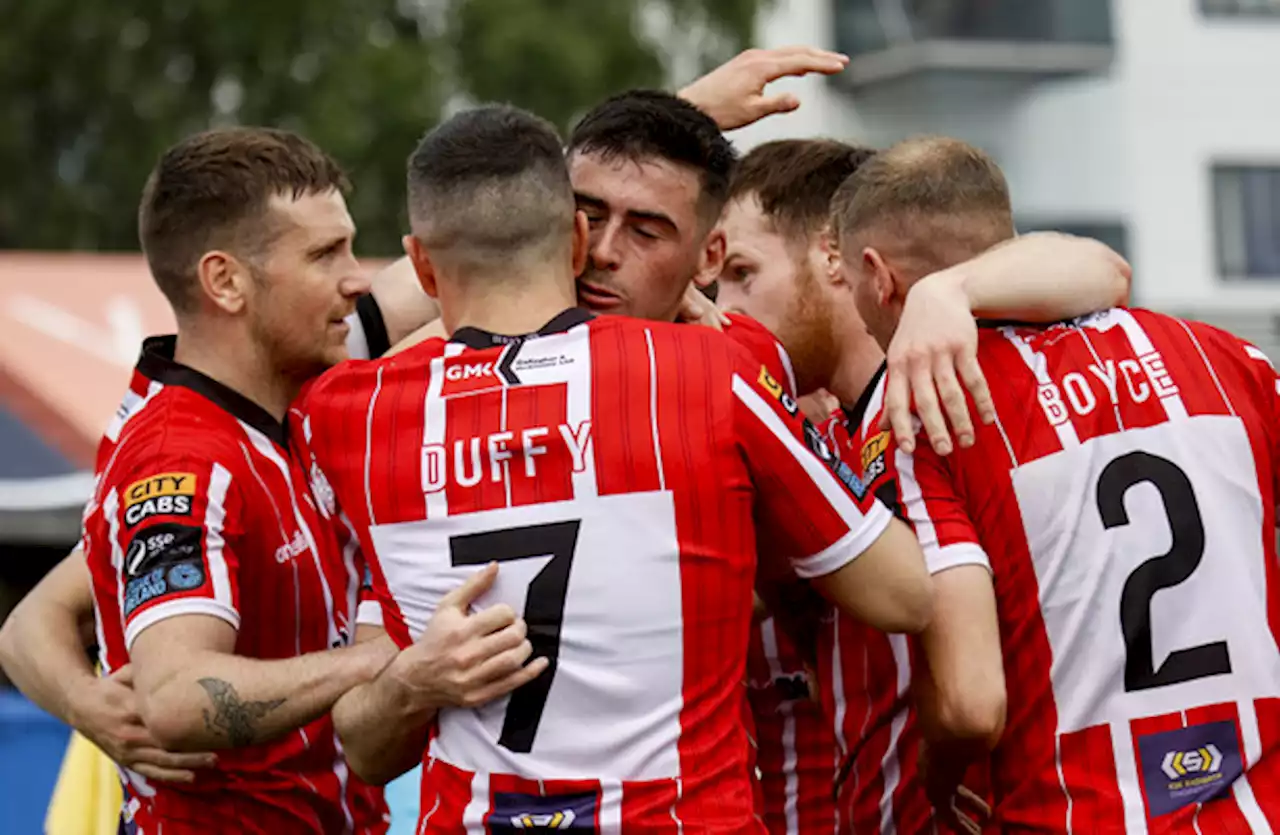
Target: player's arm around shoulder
<point x="43" y="650"/>
<point x="176" y="536"/>
<point x="810" y="504"/>
<point x="43" y="641"/>
<point x="463" y="659"/>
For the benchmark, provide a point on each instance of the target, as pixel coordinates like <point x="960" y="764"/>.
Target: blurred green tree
<point x="92" y="91"/>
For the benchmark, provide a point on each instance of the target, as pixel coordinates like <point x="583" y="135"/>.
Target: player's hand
<point x="697" y="309"/>
<point x="466" y="659"/>
<point x="733" y="93"/>
<point x="936" y="339"/>
<point x="818" y="406"/>
<point x="957" y="808"/>
<point x="106" y="713"/>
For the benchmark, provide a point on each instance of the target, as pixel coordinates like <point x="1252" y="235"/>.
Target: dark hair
<point x="650" y="124"/>
<point x="946" y="198"/>
<point x="210" y="191"/>
<point x="489" y="183"/>
<point x="795" y="179"/>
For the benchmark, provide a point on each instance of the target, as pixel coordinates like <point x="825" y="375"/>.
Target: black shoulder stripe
<point x="375" y="328"/>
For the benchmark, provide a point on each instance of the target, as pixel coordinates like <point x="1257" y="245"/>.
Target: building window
<point x="1240" y="7"/>
<point x="1247" y="221"/>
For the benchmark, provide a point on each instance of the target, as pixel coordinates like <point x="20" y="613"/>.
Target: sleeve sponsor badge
<point x="160" y="560"/>
<point x="873" y="457"/>
<point x="818" y="444"/>
<point x="162" y="494"/>
<point x="769" y="384"/>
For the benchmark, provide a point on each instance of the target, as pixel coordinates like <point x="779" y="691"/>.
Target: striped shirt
<point x="623" y="473"/>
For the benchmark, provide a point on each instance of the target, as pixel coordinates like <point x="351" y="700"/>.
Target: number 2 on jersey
<point x="1160" y="572"/>
<point x="543" y="609"/>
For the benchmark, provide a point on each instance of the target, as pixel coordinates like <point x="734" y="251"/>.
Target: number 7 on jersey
<point x="543" y="609"/>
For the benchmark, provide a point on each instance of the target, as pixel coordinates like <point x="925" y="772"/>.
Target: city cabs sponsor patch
<point x="162" y="494"/>
<point x="775" y="388"/>
<point x="1189" y="765"/>
<point x="873" y="457"/>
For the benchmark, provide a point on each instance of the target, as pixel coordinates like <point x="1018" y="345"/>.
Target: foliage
<point x="92" y="91"/>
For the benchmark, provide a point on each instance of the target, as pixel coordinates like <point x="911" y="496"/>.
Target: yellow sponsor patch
<point x="160" y="484"/>
<point x="874" y="448"/>
<point x="771" y="385"/>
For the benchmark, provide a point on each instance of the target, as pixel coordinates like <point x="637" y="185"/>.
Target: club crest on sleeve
<point x="771" y="385"/>
<point x="162" y="494"/>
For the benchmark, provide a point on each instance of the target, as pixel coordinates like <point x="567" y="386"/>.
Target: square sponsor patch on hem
<point x="1189" y="765"/>
<point x="514" y="812"/>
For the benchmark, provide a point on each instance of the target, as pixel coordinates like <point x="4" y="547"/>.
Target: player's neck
<point x="238" y="364"/>
<point x="512" y="309"/>
<point x="860" y="358"/>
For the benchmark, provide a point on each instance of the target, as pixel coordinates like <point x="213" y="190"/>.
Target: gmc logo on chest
<point x="468" y="371"/>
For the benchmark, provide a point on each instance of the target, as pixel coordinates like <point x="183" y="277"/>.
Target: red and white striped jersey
<point x="1130" y="525"/>
<point x="864" y="674"/>
<point x="614" y="468"/>
<point x="795" y="749"/>
<point x="200" y="509"/>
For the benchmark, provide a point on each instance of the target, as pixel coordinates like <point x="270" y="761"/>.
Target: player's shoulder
<point x="662" y="334"/>
<point x="361" y="378"/>
<point x="1166" y="331"/>
<point x="178" y="439"/>
<point x="177" y="421"/>
<point x="747" y="331"/>
<point x="764" y="347"/>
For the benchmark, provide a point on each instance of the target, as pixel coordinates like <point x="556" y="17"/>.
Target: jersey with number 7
<point x="617" y="470"/>
<point x="1125" y="498"/>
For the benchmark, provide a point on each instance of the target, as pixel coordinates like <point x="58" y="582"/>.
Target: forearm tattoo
<point x="231" y="717"/>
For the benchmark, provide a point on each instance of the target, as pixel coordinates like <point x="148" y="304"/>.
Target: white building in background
<point x="1153" y="124"/>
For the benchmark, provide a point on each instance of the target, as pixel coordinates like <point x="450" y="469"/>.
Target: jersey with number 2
<point x="614" y="469"/>
<point x="1129" y="519"/>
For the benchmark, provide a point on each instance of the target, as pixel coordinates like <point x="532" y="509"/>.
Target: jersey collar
<point x="857" y="413"/>
<point x="481" y="339"/>
<point x="157" y="363"/>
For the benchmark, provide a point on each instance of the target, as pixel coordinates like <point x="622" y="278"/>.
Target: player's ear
<point x="829" y="257"/>
<point x="224" y="280"/>
<point x="581" y="242"/>
<point x="880" y="274"/>
<point x="421" y="264"/>
<point x="711" y="261"/>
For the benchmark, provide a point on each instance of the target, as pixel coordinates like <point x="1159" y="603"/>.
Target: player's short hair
<point x="641" y="125"/>
<point x="490" y="186"/>
<point x="936" y="198"/>
<point x="795" y="179"/>
<point x="210" y="191"/>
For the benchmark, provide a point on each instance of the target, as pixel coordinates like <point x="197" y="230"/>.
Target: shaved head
<point x="489" y="190"/>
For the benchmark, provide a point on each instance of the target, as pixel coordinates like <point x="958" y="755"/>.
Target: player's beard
<point x="283" y="341"/>
<point x="807" y="332"/>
